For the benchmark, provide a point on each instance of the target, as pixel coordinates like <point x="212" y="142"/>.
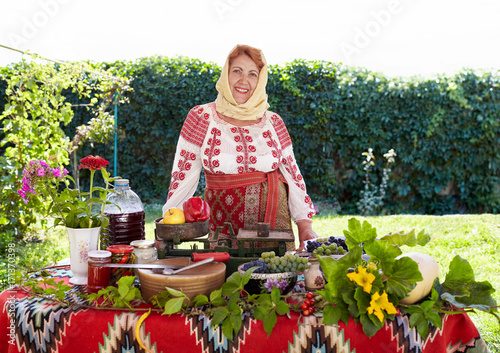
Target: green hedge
<point x="445" y="130"/>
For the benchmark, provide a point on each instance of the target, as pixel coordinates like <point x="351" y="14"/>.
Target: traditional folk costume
<point x="251" y="173"/>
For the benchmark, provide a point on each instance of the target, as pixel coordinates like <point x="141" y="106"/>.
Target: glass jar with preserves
<point x="98" y="276"/>
<point x="144" y="251"/>
<point x="121" y="254"/>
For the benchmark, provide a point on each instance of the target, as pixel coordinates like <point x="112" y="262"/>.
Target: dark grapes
<point x="262" y="267"/>
<point x="327" y="246"/>
<point x="340" y="241"/>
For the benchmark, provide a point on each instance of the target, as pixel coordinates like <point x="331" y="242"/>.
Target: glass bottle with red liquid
<point x="126" y="216"/>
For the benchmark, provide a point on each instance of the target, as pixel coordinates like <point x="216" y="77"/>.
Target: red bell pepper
<point x="196" y="210"/>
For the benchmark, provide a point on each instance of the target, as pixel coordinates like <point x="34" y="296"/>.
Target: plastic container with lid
<point x="121" y="254"/>
<point x="98" y="277"/>
<point x="126" y="216"/>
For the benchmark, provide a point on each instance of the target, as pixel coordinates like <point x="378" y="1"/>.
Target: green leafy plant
<point x="227" y="304"/>
<point x="70" y="207"/>
<point x="35" y="108"/>
<point x="373" y="291"/>
<point x="118" y="297"/>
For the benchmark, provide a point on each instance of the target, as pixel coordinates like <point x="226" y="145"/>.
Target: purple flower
<point x="65" y="172"/>
<point x="56" y="172"/>
<point x="281" y="284"/>
<point x="40" y="172"/>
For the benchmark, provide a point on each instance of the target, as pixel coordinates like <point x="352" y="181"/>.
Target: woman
<point x="246" y="153"/>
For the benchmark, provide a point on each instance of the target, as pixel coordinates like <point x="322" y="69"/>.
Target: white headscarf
<point x="256" y="106"/>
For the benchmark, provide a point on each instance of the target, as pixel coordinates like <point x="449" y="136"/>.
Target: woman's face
<point x="243" y="78"/>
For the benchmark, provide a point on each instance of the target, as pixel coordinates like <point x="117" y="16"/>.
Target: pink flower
<point x="40" y="172"/>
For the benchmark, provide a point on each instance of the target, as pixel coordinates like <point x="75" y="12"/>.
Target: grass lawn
<point x="474" y="237"/>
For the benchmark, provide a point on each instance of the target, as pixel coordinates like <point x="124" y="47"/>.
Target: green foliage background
<point x="445" y="130"/>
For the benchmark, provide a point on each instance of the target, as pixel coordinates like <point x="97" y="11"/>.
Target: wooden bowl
<point x="185" y="231"/>
<point x="199" y="280"/>
<point x="256" y="283"/>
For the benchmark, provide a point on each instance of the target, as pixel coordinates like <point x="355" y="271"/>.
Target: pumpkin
<point x="429" y="268"/>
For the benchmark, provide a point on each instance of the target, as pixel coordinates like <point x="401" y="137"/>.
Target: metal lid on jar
<point x="120" y="249"/>
<point x="99" y="254"/>
<point x="142" y="244"/>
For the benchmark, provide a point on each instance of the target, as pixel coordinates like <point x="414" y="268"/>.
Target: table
<point x="37" y="325"/>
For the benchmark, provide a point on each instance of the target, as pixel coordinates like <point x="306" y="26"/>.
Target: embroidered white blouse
<point x="208" y="142"/>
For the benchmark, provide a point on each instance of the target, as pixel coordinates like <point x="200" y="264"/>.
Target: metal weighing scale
<point x="172" y="236"/>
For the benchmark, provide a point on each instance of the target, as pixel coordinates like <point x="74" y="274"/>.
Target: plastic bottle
<point x="126" y="216"/>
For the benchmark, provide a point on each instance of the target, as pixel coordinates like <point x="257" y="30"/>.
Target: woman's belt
<point x="232" y="181"/>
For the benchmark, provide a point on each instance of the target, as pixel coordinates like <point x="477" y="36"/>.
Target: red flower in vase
<point x="93" y="162"/>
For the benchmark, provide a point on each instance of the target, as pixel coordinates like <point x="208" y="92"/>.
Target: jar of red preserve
<point x="98" y="276"/>
<point x="121" y="254"/>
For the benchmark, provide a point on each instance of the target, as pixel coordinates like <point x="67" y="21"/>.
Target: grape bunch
<point x="262" y="267"/>
<point x="286" y="263"/>
<point x="327" y="246"/>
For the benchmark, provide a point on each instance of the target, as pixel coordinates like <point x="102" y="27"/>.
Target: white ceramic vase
<point x="81" y="241"/>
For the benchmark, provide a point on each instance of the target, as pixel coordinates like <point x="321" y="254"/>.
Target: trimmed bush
<point x="445" y="130"/>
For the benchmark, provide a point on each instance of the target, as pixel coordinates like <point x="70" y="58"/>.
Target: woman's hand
<point x="306" y="232"/>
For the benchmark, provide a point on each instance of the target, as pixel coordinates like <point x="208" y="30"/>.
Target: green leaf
<point x="270" y="322"/>
<point x="434" y="318"/>
<point x="123" y="290"/>
<point x="175" y="292"/>
<point x="402" y="276"/>
<point x="383" y="250"/>
<point x="460" y="272"/>
<point x="264" y="299"/>
<point x="335" y="270"/>
<point x="216" y="298"/>
<point x="332" y="314"/>
<point x="227" y="329"/>
<point x="423" y="328"/>
<point x="236" y="322"/>
<point x="219" y="315"/>
<point x="200" y="300"/>
<point x="215" y="294"/>
<point x="461" y="289"/>
<point x="282" y="308"/>
<point x="173" y="306"/>
<point x="427" y="305"/>
<point x="229" y="288"/>
<point x="370" y="327"/>
<point x="362" y="299"/>
<point x="126" y="281"/>
<point x="261" y="312"/>
<point x="358" y="233"/>
<point x="275" y="295"/>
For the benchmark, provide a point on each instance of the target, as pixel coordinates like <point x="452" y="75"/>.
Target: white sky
<point x="395" y="37"/>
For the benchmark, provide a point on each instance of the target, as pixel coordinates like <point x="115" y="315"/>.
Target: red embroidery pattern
<point x="244" y="147"/>
<point x="280" y="128"/>
<point x="195" y="126"/>
<point x="214" y="150"/>
<point x="183" y="165"/>
<point x="293" y="170"/>
<point x="276" y="150"/>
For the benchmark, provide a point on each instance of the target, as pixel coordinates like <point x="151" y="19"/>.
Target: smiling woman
<point x="246" y="154"/>
<point x="243" y="78"/>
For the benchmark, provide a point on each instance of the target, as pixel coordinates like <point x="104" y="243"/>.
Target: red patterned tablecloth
<point x="31" y="325"/>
